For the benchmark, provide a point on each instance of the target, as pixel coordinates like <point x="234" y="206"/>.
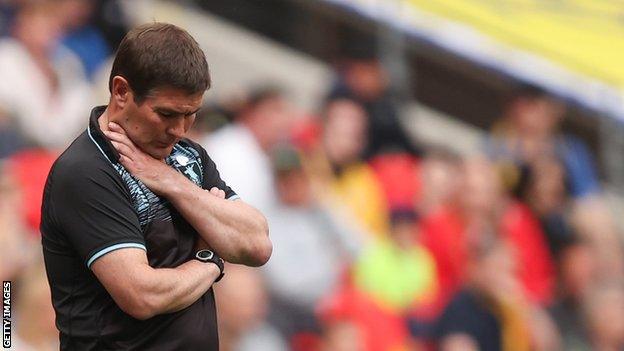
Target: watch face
<point x="205" y="254"/>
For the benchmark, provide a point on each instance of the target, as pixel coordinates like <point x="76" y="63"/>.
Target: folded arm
<point x="142" y="291"/>
<point x="235" y="230"/>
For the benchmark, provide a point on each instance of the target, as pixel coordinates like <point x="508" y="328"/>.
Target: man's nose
<point x="177" y="128"/>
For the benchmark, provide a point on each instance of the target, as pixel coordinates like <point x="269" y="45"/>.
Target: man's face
<point x="538" y="115"/>
<point x="275" y="116"/>
<point x="160" y="120"/>
<point x="345" y="132"/>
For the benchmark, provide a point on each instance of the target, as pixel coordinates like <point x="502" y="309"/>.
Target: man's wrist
<point x="212" y="269"/>
<point x="173" y="184"/>
<point x="206" y="256"/>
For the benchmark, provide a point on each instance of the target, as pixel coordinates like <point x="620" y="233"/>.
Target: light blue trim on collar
<point x="113" y="248"/>
<point x="96" y="144"/>
<point x="233" y="197"/>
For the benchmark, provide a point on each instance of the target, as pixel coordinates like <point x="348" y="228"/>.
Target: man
<point x="132" y="209"/>
<point x="243" y="147"/>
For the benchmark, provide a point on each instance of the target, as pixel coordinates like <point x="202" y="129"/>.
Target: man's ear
<point x="121" y="92"/>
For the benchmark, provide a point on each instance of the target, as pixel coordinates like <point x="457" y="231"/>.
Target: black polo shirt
<point x="91" y="206"/>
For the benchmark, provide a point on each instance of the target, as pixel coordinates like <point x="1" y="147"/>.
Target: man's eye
<point x="165" y="114"/>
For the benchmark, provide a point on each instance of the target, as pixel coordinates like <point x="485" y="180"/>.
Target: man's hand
<point x="236" y="231"/>
<point x="155" y="174"/>
<point x="217" y="192"/>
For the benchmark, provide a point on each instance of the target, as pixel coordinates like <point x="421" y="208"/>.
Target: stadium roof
<point x="574" y="48"/>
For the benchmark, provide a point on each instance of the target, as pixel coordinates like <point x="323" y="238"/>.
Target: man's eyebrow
<point x="174" y="111"/>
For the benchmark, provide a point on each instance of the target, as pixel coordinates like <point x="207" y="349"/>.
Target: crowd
<point x="380" y="242"/>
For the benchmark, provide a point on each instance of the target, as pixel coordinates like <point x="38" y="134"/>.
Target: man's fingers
<point x="217" y="192"/>
<point x="122" y="149"/>
<point x="116" y="128"/>
<point x="126" y="162"/>
<point x="119" y="137"/>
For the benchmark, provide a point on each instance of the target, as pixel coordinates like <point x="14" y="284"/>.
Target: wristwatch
<point x="206" y="255"/>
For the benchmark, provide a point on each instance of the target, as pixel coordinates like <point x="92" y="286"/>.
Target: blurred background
<point x="437" y="174"/>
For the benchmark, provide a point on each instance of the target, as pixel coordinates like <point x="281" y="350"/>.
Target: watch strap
<point x="213" y="259"/>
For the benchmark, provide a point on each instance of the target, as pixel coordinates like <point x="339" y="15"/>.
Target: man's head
<point x="268" y="115"/>
<point x="157" y="84"/>
<point x="291" y="180"/>
<point x="602" y="310"/>
<point x="534" y="111"/>
<point x="344" y="131"/>
<point x="38" y="27"/>
<point x="480" y="190"/>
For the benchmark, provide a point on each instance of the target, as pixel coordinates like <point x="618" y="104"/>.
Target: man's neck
<point x="104" y="119"/>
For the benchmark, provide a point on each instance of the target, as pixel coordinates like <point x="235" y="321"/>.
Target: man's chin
<point x="160" y="153"/>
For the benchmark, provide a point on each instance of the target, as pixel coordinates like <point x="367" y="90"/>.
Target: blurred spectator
<point x="34" y="316"/>
<point x="491" y="313"/>
<point x="30" y="168"/>
<point x="11" y="139"/>
<point x="242" y="307"/>
<point x="311" y="248"/>
<point x="393" y="276"/>
<point x="591" y="219"/>
<point x="339" y="176"/>
<point x="14" y="244"/>
<point x="439" y="180"/>
<point x="544" y="192"/>
<point x="528" y="133"/>
<point x="484" y="202"/>
<point x="212" y="116"/>
<point x="604" y="311"/>
<point x="469" y="322"/>
<point x="397" y="271"/>
<point x="43" y="85"/>
<point x="399" y="176"/>
<point x="350" y="312"/>
<point x="399" y="274"/>
<point x="529" y="130"/>
<point x="7" y="11"/>
<point x="480" y="206"/>
<point x="364" y="80"/>
<point x="577" y="274"/>
<point x="241" y="149"/>
<point x="82" y="37"/>
<point x="342" y="336"/>
<point x="111" y="20"/>
<point x="536" y="269"/>
<point x="522" y="139"/>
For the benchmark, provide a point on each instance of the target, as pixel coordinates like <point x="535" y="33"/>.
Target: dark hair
<point x="260" y="94"/>
<point x="157" y="55"/>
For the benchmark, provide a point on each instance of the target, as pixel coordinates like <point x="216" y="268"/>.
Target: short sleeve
<point x="94" y="212"/>
<point x="213" y="179"/>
